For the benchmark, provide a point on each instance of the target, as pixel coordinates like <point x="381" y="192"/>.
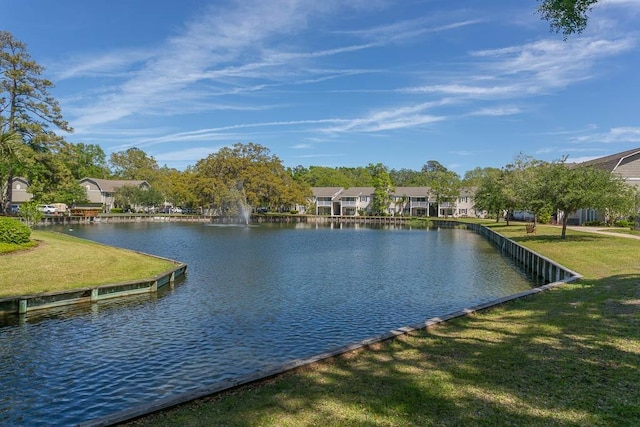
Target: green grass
<point x="567" y="357"/>
<point x="621" y="231"/>
<point x="60" y="262"/>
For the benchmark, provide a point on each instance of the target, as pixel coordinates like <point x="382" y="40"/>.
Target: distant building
<point x="20" y="190"/>
<point x="404" y="201"/>
<point x="103" y="190"/>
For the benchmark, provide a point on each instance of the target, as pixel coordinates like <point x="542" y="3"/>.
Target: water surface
<point x="253" y="297"/>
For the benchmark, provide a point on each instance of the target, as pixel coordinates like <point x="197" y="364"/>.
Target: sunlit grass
<point x="61" y="262"/>
<point x="570" y="356"/>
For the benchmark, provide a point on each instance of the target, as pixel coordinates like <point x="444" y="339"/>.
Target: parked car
<point x="47" y="209"/>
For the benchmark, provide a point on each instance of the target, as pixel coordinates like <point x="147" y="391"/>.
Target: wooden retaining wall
<point x="26" y="303"/>
<point x="540" y="268"/>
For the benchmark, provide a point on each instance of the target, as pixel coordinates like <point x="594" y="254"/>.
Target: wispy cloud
<point x="549" y="63"/>
<point x="618" y="134"/>
<point x="395" y="118"/>
<point x="203" y="51"/>
<point x="496" y="111"/>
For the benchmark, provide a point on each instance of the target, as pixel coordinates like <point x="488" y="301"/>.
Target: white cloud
<point x="496" y="111"/>
<point x="618" y="134"/>
<point x="202" y="51"/>
<point x="547" y="64"/>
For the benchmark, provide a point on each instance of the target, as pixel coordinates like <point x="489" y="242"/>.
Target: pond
<point x="253" y="297"/>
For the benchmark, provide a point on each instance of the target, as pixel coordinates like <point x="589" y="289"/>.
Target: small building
<point x="103" y="190"/>
<point x="19" y="194"/>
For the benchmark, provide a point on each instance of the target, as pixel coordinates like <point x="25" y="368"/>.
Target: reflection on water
<point x="88" y="308"/>
<point x="252" y="297"/>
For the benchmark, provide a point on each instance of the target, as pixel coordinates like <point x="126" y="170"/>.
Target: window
<point x="463" y="199"/>
<point x="364" y="198"/>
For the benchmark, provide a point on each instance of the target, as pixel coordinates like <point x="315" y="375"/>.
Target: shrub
<point x="544" y="217"/>
<point x="623" y="223"/>
<point x="594" y="223"/>
<point x="13" y="231"/>
<point x="117" y="210"/>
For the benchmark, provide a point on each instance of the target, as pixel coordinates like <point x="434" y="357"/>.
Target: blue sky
<point x="338" y="83"/>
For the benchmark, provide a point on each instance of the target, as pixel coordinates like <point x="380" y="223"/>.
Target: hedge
<point x="13" y="231"/>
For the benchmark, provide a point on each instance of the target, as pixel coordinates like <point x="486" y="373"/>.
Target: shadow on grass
<point x="570" y="356"/>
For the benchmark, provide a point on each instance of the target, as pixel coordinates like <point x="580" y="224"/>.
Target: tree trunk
<point x="565" y="219"/>
<point x="6" y="206"/>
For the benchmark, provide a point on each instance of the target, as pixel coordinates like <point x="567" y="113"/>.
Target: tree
<point x="489" y="195"/>
<point x="566" y="16"/>
<point x="475" y="177"/>
<point x="408" y="178"/>
<point x="382" y="188"/>
<point x="245" y="174"/>
<point x="26" y="107"/>
<point x="130" y="196"/>
<point x="11" y="154"/>
<point x="569" y="188"/>
<point x="134" y="164"/>
<point x="30" y="213"/>
<point x="85" y="160"/>
<point x="433" y="166"/>
<point x="323" y="176"/>
<point x="443" y="183"/>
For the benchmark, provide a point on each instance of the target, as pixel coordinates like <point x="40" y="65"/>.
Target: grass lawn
<point x="567" y="357"/>
<point x="59" y="262"/>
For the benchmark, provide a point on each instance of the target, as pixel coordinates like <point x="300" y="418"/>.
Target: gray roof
<point x="357" y="191"/>
<point x="111" y="185"/>
<point x="411" y="191"/>
<point x="612" y="161"/>
<point x="326" y="191"/>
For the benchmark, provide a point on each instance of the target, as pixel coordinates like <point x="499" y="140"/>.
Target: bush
<point x="13" y="231"/>
<point x="623" y="223"/>
<point x="116" y="210"/>
<point x="594" y="223"/>
<point x="544" y="218"/>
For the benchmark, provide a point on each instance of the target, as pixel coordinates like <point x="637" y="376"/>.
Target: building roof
<point x="110" y="185"/>
<point x="611" y="162"/>
<point x="326" y="191"/>
<point x="411" y="191"/>
<point x="357" y="191"/>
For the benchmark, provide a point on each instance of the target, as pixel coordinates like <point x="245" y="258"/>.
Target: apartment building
<point x="404" y="201"/>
